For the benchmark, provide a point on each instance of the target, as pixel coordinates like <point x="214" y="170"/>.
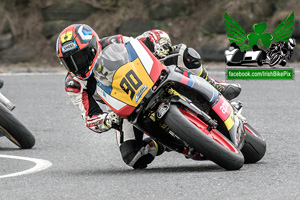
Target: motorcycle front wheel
<point x="14" y="130"/>
<point x="211" y="144"/>
<point x="255" y="145"/>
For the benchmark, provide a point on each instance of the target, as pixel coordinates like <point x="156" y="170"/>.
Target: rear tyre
<point x="211" y="144"/>
<point x="255" y="145"/>
<point x="14" y="130"/>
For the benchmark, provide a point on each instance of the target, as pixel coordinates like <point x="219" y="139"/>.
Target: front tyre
<point x="14" y="130"/>
<point x="255" y="145"/>
<point x="211" y="144"/>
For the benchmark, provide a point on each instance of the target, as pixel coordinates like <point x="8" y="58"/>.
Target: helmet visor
<point x="79" y="63"/>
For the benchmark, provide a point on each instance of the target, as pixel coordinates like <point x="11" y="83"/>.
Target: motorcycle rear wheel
<point x="255" y="145"/>
<point x="14" y="130"/>
<point x="211" y="144"/>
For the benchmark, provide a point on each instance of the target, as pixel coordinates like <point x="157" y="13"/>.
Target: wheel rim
<point x="9" y="136"/>
<point x="214" y="134"/>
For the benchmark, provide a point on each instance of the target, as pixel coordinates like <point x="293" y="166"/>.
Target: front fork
<point x="163" y="108"/>
<point x="238" y="108"/>
<point x="240" y="130"/>
<point x="212" y="124"/>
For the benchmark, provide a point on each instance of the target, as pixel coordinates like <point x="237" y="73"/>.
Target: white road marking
<point x="40" y="165"/>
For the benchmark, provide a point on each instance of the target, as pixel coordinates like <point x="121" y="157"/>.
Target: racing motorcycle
<point x="181" y="111"/>
<point x="11" y="127"/>
<point x="279" y="52"/>
<point x="277" y="56"/>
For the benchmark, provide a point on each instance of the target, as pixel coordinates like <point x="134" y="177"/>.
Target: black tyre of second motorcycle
<point x="14" y="130"/>
<point x="255" y="146"/>
<point x="201" y="142"/>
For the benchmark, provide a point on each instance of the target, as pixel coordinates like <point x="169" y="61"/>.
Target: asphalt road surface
<point x="86" y="165"/>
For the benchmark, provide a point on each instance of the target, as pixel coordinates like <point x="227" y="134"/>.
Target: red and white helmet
<point x="79" y="50"/>
<point x="160" y="39"/>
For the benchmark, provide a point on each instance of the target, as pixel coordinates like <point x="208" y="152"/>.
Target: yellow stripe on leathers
<point x="120" y="74"/>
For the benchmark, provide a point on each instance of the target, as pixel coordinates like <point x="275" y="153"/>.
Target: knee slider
<point x="138" y="154"/>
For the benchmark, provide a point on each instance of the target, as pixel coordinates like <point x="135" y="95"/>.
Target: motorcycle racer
<point x="160" y="45"/>
<point x="281" y="48"/>
<point x="79" y="50"/>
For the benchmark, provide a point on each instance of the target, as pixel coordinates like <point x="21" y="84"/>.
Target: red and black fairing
<point x="221" y="109"/>
<point x="195" y="87"/>
<point x="140" y="59"/>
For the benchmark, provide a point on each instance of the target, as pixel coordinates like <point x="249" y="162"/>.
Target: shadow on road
<point x="2" y="149"/>
<point x="153" y="170"/>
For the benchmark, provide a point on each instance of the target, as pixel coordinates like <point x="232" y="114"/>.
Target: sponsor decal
<point x="223" y="108"/>
<point x="140" y="93"/>
<point x="68" y="47"/>
<point x="173" y="92"/>
<point x="66" y="37"/>
<point x="260" y="73"/>
<point x="162" y="110"/>
<point x="85" y="33"/>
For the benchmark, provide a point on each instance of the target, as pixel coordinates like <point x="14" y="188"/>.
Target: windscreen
<point x="113" y="57"/>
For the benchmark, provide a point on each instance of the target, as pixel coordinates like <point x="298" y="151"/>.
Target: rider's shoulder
<point x="72" y="83"/>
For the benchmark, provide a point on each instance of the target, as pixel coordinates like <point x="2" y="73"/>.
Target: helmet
<point x="191" y="58"/>
<point x="78" y="50"/>
<point x="291" y="43"/>
<point x="161" y="40"/>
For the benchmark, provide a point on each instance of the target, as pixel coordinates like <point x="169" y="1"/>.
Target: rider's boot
<point x="228" y="90"/>
<point x="192" y="155"/>
<point x="143" y="154"/>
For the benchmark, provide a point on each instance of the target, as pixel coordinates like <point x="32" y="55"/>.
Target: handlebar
<point x="169" y="56"/>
